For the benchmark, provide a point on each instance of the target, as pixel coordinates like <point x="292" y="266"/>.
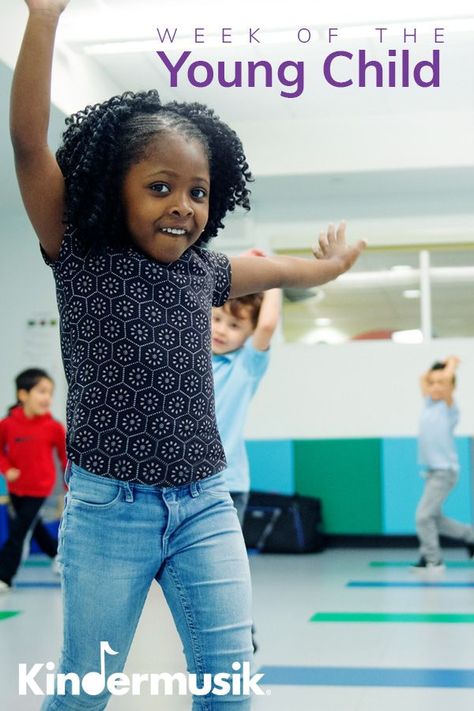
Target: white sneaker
<point x="424" y="567"/>
<point x="4" y="587"/>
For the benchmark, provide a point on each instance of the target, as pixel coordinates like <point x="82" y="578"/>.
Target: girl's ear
<point x="21" y="396"/>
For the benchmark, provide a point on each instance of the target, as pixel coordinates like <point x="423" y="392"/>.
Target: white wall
<point x="363" y="143"/>
<point x="363" y="389"/>
<point x="27" y="289"/>
<point x="358" y="389"/>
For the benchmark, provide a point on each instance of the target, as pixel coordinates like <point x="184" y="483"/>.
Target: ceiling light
<point x="401" y="268"/>
<point x="411" y="293"/>
<point x="146" y="45"/>
<point x="322" y="321"/>
<point x="426" y="27"/>
<point x="324" y="335"/>
<point x="123" y="47"/>
<point x="409" y="336"/>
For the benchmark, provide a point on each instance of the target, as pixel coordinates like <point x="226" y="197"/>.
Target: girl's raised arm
<point x="333" y="257"/>
<point x="40" y="179"/>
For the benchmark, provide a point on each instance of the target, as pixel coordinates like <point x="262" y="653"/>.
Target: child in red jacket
<point x="28" y="437"/>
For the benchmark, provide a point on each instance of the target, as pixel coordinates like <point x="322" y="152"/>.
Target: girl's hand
<point x="12" y="474"/>
<point x="47" y="5"/>
<point x="332" y="245"/>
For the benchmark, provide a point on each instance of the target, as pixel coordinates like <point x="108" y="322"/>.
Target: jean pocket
<point x="94" y="494"/>
<point x="215" y="486"/>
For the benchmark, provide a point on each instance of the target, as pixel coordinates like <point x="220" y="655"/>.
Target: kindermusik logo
<point x="120" y="684"/>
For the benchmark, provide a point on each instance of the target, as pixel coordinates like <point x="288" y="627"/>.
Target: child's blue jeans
<point x="115" y="539"/>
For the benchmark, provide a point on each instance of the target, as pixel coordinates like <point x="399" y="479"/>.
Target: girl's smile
<point x="166" y="196"/>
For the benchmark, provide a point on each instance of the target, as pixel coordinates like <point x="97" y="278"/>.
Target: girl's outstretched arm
<point x="333" y="257"/>
<point x="40" y="179"/>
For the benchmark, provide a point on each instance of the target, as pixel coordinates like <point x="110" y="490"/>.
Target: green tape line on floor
<point x="5" y="614"/>
<point x="392" y="617"/>
<point x="37" y="563"/>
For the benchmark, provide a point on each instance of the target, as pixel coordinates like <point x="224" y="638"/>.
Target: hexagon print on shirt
<point x="135" y="340"/>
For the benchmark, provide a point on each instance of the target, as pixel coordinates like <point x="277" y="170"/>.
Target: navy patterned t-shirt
<point x="136" y="347"/>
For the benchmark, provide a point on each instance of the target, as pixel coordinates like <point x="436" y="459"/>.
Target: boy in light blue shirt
<point x="242" y="330"/>
<point x="438" y="456"/>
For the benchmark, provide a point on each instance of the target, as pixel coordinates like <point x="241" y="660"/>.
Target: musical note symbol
<point x="93" y="683"/>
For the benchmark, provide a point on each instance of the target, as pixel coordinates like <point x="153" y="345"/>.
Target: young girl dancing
<point x="29" y="438"/>
<point x="123" y="213"/>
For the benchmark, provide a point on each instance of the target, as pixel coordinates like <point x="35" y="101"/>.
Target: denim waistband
<point x="192" y="488"/>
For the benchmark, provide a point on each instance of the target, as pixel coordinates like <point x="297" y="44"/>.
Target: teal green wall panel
<point x="346" y="475"/>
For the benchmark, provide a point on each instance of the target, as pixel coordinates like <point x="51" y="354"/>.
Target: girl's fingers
<point x="341" y="233"/>
<point x="331" y="237"/>
<point x="361" y="245"/>
<point x="317" y="251"/>
<point x="323" y="241"/>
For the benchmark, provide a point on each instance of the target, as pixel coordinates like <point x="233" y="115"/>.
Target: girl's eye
<point x="160" y="188"/>
<point x="198" y="193"/>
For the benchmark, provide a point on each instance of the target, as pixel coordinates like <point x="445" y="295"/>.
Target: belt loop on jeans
<point x="128" y="492"/>
<point x="194" y="489"/>
<point x="67" y="472"/>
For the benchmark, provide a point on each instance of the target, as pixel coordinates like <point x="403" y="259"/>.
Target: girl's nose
<point x="181" y="206"/>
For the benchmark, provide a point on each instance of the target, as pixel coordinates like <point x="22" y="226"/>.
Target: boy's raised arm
<point x="424" y="385"/>
<point x="451" y="365"/>
<point x="267" y="319"/>
<point x="40" y="179"/>
<point x="333" y="257"/>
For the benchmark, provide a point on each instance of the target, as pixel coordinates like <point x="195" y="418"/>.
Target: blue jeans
<point x="116" y="538"/>
<point x="240" y="499"/>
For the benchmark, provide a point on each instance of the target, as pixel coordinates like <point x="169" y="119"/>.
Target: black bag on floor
<point x="275" y="523"/>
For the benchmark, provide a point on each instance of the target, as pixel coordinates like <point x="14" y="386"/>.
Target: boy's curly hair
<point x="104" y="140"/>
<point x="251" y="303"/>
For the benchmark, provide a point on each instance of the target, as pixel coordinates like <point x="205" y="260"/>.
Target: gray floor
<point x="288" y="590"/>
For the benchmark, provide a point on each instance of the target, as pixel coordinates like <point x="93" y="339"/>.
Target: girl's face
<point x="37" y="401"/>
<point x="166" y="197"/>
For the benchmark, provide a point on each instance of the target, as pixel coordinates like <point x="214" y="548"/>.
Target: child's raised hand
<point x="49" y="5"/>
<point x="332" y="245"/>
<point x="455" y="360"/>
<point x="12" y="474"/>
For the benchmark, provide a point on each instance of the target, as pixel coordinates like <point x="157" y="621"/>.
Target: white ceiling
<point x="325" y="128"/>
<point x="397" y="163"/>
<point x="376" y="156"/>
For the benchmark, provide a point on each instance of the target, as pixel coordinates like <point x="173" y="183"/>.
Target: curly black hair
<point x="102" y="141"/>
